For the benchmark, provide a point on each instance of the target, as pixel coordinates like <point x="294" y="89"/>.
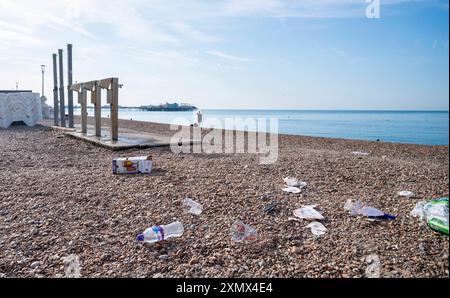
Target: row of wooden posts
<point x="111" y="85"/>
<point x="59" y="106"/>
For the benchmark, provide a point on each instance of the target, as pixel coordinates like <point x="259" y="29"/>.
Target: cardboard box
<point x="132" y="165"/>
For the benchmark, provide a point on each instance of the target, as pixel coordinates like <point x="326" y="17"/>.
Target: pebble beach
<point x="59" y="199"/>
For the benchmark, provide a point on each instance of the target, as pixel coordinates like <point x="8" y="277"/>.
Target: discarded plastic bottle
<point x="163" y="232"/>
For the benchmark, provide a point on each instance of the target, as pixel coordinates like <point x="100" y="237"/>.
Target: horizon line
<point x="302" y="109"/>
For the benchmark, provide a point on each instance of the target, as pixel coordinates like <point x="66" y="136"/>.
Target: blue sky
<point x="304" y="54"/>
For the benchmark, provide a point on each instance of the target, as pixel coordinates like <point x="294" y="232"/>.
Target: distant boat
<point x="169" y="107"/>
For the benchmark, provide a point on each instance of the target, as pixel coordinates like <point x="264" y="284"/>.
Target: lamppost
<point x="43" y="70"/>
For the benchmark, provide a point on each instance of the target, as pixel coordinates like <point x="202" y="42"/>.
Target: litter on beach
<point x="373" y="269"/>
<point x="270" y="208"/>
<point x="294" y="182"/>
<point x="241" y="232"/>
<point x="162" y="232"/>
<point x="317" y="228"/>
<point x="308" y="213"/>
<point x="72" y="266"/>
<point x="292" y="189"/>
<point x="359" y="208"/>
<point x="434" y="213"/>
<point x="132" y="165"/>
<point x="191" y="206"/>
<point x="359" y="153"/>
<point x="406" y="194"/>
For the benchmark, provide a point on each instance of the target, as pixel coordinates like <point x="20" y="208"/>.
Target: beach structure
<point x="55" y="92"/>
<point x="62" y="105"/>
<point x="70" y="82"/>
<point x="111" y="85"/>
<point x="19" y="105"/>
<point x="59" y="106"/>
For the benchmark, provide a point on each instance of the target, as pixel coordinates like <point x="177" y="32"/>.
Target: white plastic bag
<point x="191" y="206"/>
<point x="359" y="153"/>
<point x="358" y="208"/>
<point x="294" y="182"/>
<point x="418" y="210"/>
<point x="309" y="213"/>
<point x="317" y="228"/>
<point x="292" y="189"/>
<point x="406" y="194"/>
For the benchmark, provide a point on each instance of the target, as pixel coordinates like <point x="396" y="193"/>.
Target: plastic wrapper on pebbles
<point x="240" y="232"/>
<point x="317" y="228"/>
<point x="359" y="208"/>
<point x="308" y="213"/>
<point x="434" y="213"/>
<point x="292" y="189"/>
<point x="294" y="182"/>
<point x="406" y="194"/>
<point x="191" y="206"/>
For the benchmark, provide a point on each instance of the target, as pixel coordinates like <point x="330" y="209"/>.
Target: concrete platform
<point x="127" y="138"/>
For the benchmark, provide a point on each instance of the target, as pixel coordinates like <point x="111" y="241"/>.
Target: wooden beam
<point x="115" y="109"/>
<point x="105" y="83"/>
<point x="76" y="87"/>
<point x="69" y="82"/>
<point x="55" y="92"/>
<point x="96" y="96"/>
<point x="62" y="105"/>
<point x="89" y="85"/>
<point x="83" y="111"/>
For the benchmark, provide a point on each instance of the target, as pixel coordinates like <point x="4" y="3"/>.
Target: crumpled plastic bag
<point x="191" y="206"/>
<point x="359" y="208"/>
<point x="309" y="213"/>
<point x="406" y="194"/>
<point x="294" y="182"/>
<point x="317" y="228"/>
<point x="359" y="153"/>
<point x="292" y="189"/>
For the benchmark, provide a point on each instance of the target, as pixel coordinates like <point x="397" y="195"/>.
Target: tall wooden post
<point x="55" y="92"/>
<point x="115" y="109"/>
<point x="83" y="110"/>
<point x="96" y="99"/>
<point x="69" y="90"/>
<point x="62" y="105"/>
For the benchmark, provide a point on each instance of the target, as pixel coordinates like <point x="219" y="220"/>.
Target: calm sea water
<point x="416" y="127"/>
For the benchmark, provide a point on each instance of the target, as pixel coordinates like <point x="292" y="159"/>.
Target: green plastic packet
<point x="438" y="219"/>
<point x="438" y="224"/>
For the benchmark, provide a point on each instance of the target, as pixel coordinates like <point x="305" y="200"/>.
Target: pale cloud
<point x="226" y="56"/>
<point x="18" y="38"/>
<point x="193" y="34"/>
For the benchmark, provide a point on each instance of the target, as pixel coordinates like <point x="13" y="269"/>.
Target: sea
<point x="413" y="127"/>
